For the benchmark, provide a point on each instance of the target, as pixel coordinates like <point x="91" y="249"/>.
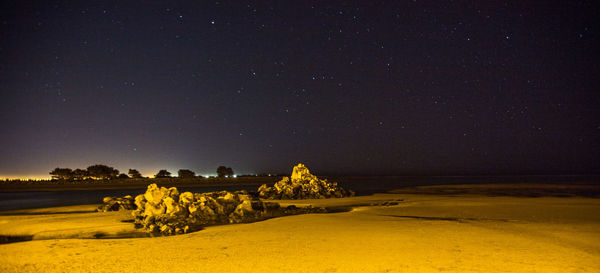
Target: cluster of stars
<point x="483" y="75"/>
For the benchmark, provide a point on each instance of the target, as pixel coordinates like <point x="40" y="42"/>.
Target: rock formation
<point x="166" y="211"/>
<point x="163" y="210"/>
<point x="117" y="203"/>
<point x="303" y="185"/>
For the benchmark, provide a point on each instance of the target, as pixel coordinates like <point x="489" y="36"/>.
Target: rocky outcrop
<point x="117" y="203"/>
<point x="163" y="210"/>
<point x="166" y="211"/>
<point x="303" y="185"/>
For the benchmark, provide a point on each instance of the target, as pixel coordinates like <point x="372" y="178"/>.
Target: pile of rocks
<point x="303" y="185"/>
<point x="166" y="211"/>
<point x="117" y="203"/>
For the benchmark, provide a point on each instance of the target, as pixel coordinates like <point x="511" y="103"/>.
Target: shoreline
<point x="60" y="196"/>
<point x="378" y="183"/>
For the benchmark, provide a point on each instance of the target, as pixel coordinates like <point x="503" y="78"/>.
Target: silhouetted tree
<point x="223" y="171"/>
<point x="62" y="174"/>
<point x="163" y="174"/>
<point x="185" y="174"/>
<point x="133" y="173"/>
<point x="100" y="171"/>
<point x="79" y="174"/>
<point x="122" y="176"/>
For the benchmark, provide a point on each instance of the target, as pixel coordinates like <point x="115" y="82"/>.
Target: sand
<point x="422" y="233"/>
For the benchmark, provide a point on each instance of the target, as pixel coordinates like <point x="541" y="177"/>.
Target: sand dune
<point x="422" y="233"/>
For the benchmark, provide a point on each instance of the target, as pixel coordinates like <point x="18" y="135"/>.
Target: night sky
<point x="367" y="87"/>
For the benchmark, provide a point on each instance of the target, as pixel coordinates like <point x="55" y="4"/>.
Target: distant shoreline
<point x="370" y="183"/>
<point x="131" y="184"/>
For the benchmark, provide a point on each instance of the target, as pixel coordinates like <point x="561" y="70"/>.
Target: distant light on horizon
<point x="26" y="177"/>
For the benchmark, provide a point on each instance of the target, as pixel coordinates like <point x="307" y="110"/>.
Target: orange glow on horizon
<point x="26" y="177"/>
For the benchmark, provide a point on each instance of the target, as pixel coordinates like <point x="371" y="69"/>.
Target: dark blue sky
<point x="367" y="87"/>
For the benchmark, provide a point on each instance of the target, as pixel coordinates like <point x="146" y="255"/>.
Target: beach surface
<point x="429" y="231"/>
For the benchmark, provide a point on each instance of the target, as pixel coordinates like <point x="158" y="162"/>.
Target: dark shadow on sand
<point x="453" y="219"/>
<point x="15" y="239"/>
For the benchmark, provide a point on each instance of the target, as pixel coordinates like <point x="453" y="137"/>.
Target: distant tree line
<point x="103" y="172"/>
<point x="223" y="171"/>
<point x="97" y="171"/>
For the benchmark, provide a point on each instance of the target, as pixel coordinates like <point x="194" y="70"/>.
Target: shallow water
<point x="40" y="199"/>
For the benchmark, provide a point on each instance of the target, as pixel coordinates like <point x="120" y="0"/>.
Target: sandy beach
<point x="393" y="232"/>
<point x="299" y="136"/>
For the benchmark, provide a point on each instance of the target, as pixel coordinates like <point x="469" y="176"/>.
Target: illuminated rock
<point x="303" y="185"/>
<point x="186" y="197"/>
<point x="140" y="201"/>
<point x="169" y="212"/>
<point x="172" y="207"/>
<point x="300" y="172"/>
<point x="155" y="195"/>
<point x="153" y="210"/>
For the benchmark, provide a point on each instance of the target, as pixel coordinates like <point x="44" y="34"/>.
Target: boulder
<point x="303" y="185"/>
<point x="153" y="210"/>
<point x="186" y="197"/>
<point x="300" y="172"/>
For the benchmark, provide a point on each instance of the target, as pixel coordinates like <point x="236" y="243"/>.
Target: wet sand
<point x="399" y="232"/>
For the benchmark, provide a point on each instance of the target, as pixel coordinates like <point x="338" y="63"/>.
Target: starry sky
<point x="365" y="87"/>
